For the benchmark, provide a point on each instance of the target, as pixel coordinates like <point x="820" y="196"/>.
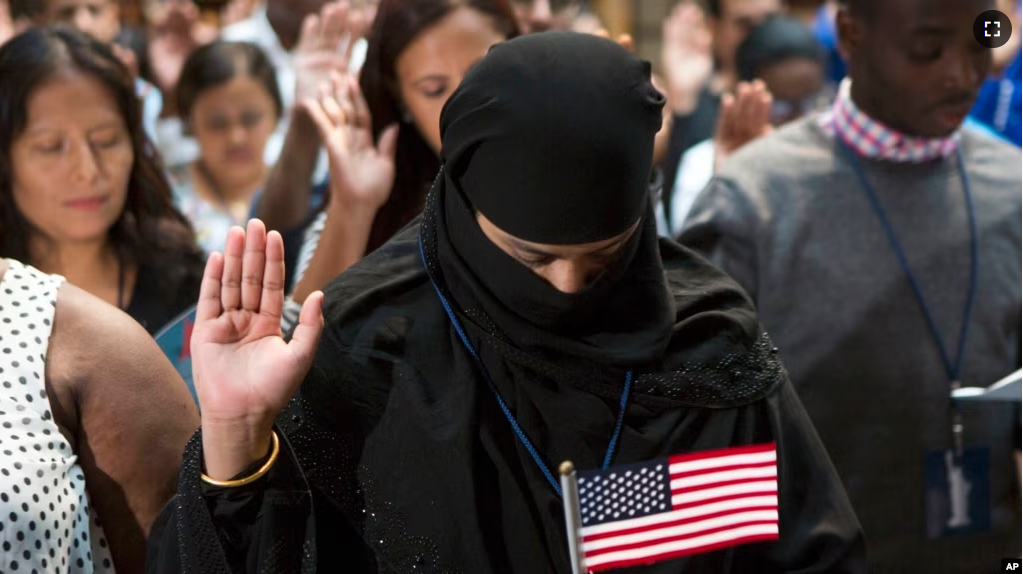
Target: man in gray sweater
<point x="881" y="244"/>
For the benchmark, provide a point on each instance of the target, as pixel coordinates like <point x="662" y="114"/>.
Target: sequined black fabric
<point x="330" y="460"/>
<point x="195" y="527"/>
<point x="729" y="381"/>
<point x="201" y="543"/>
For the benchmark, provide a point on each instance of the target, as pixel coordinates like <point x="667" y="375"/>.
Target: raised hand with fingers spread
<point x="744" y="117"/>
<point x="361" y="178"/>
<point x="686" y="56"/>
<point x="324" y="47"/>
<point x="324" y="50"/>
<point x="6" y="22"/>
<point x="361" y="174"/>
<point x="244" y="370"/>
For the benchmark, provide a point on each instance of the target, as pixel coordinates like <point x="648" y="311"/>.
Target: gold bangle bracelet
<point x="254" y="476"/>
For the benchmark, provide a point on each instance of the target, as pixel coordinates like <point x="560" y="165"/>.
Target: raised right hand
<point x="743" y="118"/>
<point x="324" y="48"/>
<point x="244" y="371"/>
<point x="686" y="56"/>
<point x="6" y="22"/>
<point x="361" y="173"/>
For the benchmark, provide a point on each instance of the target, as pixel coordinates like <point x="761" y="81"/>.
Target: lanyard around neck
<point x="953" y="365"/>
<point x="608" y="456"/>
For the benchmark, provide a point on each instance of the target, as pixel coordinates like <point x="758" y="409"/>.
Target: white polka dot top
<point x="45" y="520"/>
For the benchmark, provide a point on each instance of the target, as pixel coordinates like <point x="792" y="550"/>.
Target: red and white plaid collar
<point x="871" y="139"/>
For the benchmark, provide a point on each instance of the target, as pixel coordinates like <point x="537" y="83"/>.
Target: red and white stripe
<point x="870" y="138"/>
<point x="719" y="498"/>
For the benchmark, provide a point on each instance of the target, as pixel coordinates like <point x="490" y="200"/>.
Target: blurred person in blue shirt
<point x="1000" y="100"/>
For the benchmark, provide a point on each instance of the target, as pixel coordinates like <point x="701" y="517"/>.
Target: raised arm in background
<point x="361" y="176"/>
<point x="324" y="48"/>
<point x="6" y="22"/>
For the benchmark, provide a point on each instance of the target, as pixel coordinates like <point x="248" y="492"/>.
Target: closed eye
<point x="433" y="86"/>
<point x="535" y="262"/>
<point x="50" y="147"/>
<point x="434" y="92"/>
<point x="107" y="140"/>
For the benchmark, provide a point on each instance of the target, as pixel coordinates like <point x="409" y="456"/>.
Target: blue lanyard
<point x="953" y="367"/>
<point x="504" y="407"/>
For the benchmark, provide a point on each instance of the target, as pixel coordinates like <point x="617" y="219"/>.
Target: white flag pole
<point x="573" y="520"/>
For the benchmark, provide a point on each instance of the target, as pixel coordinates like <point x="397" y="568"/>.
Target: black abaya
<point x="397" y="458"/>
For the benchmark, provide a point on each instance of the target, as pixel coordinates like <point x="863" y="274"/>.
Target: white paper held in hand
<point x="1007" y="389"/>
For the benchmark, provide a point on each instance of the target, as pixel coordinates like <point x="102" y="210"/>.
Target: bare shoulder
<point x="80" y="313"/>
<point x="89" y="336"/>
<point x="96" y="350"/>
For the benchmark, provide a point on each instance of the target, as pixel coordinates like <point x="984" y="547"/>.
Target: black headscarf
<point x="551" y="138"/>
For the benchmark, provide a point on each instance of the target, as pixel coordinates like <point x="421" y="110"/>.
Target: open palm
<point x="686" y="54"/>
<point x="324" y="47"/>
<point x="361" y="173"/>
<point x="6" y="22"/>
<point x="244" y="371"/>
<point x="744" y="117"/>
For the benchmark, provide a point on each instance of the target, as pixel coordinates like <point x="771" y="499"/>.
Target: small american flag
<point x="687" y="504"/>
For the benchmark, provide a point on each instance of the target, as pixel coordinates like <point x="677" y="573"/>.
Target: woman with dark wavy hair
<point x="418" y="52"/>
<point x="407" y="78"/>
<point x="82" y="192"/>
<point x="93" y="417"/>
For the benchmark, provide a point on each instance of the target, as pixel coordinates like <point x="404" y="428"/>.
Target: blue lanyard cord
<point x="953" y="369"/>
<point x="504" y="407"/>
<point x="620" y="420"/>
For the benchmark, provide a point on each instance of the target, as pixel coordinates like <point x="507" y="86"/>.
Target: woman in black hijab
<point x="530" y="316"/>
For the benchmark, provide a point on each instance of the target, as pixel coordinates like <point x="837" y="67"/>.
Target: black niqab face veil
<point x="551" y="138"/>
